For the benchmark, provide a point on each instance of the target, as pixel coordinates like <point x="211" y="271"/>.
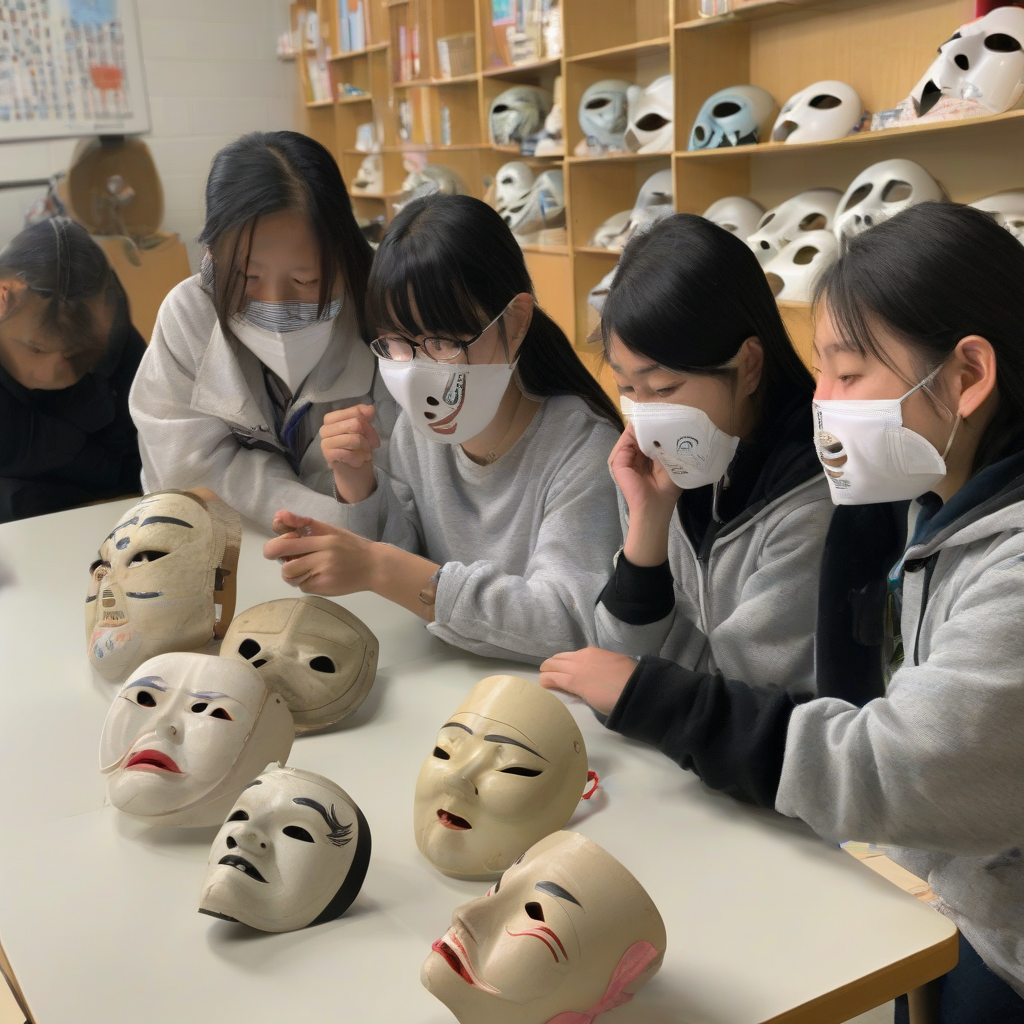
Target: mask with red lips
<point x="186" y="733"/>
<point x="447" y="402"/>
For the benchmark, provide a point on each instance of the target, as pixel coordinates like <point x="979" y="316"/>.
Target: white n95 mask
<point x="447" y="402"/>
<point x="869" y="456"/>
<point x="286" y="336"/>
<point x="692" y="449"/>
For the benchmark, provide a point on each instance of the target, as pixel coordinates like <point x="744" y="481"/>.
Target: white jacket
<point x="205" y="419"/>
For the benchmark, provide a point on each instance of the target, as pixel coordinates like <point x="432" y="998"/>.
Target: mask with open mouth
<point x="186" y="733"/>
<point x="508" y="767"/>
<point x="566" y="934"/>
<point x="164" y="580"/>
<point x="293" y="852"/>
<point x="447" y="402"/>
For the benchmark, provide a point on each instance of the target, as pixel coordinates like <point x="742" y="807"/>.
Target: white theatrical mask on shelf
<point x="604" y="113"/>
<point x="1006" y="209"/>
<point x="737" y="116"/>
<point x="433" y="178"/>
<point x="651" y="118"/>
<point x="793" y="273"/>
<point x="653" y="201"/>
<point x="736" y="214"/>
<point x="983" y="61"/>
<point x="509" y="767"/>
<point x="164" y="580"/>
<point x="880" y="192"/>
<point x="608" y="232"/>
<point x="293" y="852"/>
<point x="319" y="656"/>
<point x="822" y="112"/>
<point x="370" y="177"/>
<point x="186" y="733"/>
<point x="568" y="934"/>
<point x="542" y="208"/>
<point x="512" y="184"/>
<point x="518" y="112"/>
<point x="813" y="210"/>
<point x="599" y="293"/>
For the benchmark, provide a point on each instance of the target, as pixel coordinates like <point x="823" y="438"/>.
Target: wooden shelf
<point x="314" y="104"/>
<point x="861" y="139"/>
<point x="553" y="250"/>
<point x="641" y="49"/>
<point x="343" y="100"/>
<point x="625" y="157"/>
<point x="593" y="250"/>
<point x="414" y="83"/>
<point x="384" y="196"/>
<point x="518" y="69"/>
<point x="348" y="54"/>
<point x="459" y="80"/>
<point x="772" y="9"/>
<point x="420" y="147"/>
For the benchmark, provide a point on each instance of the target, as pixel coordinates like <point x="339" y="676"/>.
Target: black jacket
<point x="69" y="447"/>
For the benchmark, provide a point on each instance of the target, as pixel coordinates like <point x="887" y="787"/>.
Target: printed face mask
<point x="313" y="652"/>
<point x="164" y="581"/>
<point x="447" y="402"/>
<point x="567" y="934"/>
<point x="869" y="456"/>
<point x="692" y="449"/>
<point x="185" y="734"/>
<point x="293" y="852"/>
<point x="508" y="767"/>
<point x="286" y="336"/>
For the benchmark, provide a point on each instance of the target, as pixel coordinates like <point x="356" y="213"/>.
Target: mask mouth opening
<point x="241" y="864"/>
<point x="776" y="284"/>
<point x="453" y="821"/>
<point x="784" y="130"/>
<point x="930" y="95"/>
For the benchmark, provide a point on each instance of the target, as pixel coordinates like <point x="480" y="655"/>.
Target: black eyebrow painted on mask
<point x="255" y="782"/>
<point x="554" y="889"/>
<point x="457" y="725"/>
<point x="166" y="519"/>
<point x="121" y="526"/>
<point x="495" y="738"/>
<point x="339" y="835"/>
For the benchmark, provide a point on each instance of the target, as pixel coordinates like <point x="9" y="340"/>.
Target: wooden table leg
<point x="924" y="1004"/>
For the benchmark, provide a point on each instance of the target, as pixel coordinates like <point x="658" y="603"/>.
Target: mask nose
<point x="460" y="780"/>
<point x="249" y="840"/>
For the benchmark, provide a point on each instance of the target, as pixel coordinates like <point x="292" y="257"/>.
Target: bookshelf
<point x="881" y="47"/>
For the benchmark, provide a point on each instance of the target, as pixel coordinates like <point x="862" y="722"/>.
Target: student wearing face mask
<point x="724" y="509"/>
<point x="496" y="519"/>
<point x="914" y="741"/>
<point x="68" y="353"/>
<point x="249" y="355"/>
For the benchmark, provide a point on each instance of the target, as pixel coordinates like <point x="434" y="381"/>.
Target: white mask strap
<point x="952" y="437"/>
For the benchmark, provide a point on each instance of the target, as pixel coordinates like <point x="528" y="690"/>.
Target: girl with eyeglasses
<point x="496" y="519"/>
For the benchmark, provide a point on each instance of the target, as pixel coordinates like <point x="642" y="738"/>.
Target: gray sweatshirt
<point x="936" y="768"/>
<point x="525" y="543"/>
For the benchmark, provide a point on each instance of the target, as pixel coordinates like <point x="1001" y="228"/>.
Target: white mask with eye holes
<point x="164" y="581"/>
<point x="1007" y="210"/>
<point x="604" y="113"/>
<point x="880" y="192"/>
<point x="512" y="185"/>
<point x="694" y="452"/>
<point x="737" y="116"/>
<point x="651" y="119"/>
<point x="736" y="214"/>
<point x="293" y="852"/>
<point x="316" y="654"/>
<point x="793" y="273"/>
<point x="185" y="734"/>
<point x="822" y="112"/>
<point x="567" y="934"/>
<point x="370" y="177"/>
<point x="983" y="61"/>
<point x="518" y="112"/>
<point x="508" y="767"/>
<point x="813" y="210"/>
<point x="541" y="209"/>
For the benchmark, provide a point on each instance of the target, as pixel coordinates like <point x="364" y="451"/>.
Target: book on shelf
<point x="525" y="31"/>
<point x="351" y="25"/>
<point x="319" y="78"/>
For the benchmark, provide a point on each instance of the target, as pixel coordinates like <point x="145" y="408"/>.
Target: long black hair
<point x="687" y="294"/>
<point x="61" y="265"/>
<point x="933" y="275"/>
<point x="265" y="172"/>
<point x="450" y="264"/>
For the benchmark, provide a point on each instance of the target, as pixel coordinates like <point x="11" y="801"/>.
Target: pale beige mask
<point x="313" y="652"/>
<point x="164" y="580"/>
<point x="567" y="934"/>
<point x="509" y="767"/>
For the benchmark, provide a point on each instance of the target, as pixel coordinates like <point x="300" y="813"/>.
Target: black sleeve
<point x="731" y="734"/>
<point x="639" y="595"/>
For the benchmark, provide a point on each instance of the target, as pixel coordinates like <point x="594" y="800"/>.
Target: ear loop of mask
<point x="957" y="419"/>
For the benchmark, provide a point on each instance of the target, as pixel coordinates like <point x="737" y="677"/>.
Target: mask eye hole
<point x="725" y="109"/>
<point x="961" y="61"/>
<point x="1000" y="42"/>
<point x="297" y="832"/>
<point x="651" y="122"/>
<point x="145" y="698"/>
<point x="442" y="755"/>
<point x="248" y="648"/>
<point x="597" y="103"/>
<point x="813" y="222"/>
<point x="897" y="191"/>
<point x="322" y="663"/>
<point x="535" y="910"/>
<point x="222" y="714"/>
<point x="826" y="101"/>
<point x="239" y="816"/>
<point x="528" y="773"/>
<point x="805" y="255"/>
<point x="142" y="557"/>
<point x="858" y="197"/>
<point x="198" y="709"/>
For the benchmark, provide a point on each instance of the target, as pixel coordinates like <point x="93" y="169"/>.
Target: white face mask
<point x="869" y="456"/>
<point x="447" y="402"/>
<point x="685" y="441"/>
<point x="286" y="337"/>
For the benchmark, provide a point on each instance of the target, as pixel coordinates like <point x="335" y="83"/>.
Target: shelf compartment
<point x="592" y="26"/>
<point x="762" y="9"/>
<point x="640" y="49"/>
<point x="353" y="54"/>
<point x="526" y="70"/>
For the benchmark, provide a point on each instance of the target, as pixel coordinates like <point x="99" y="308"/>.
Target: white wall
<point x="212" y="75"/>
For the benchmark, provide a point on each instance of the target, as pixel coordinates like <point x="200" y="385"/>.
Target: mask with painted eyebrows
<point x="507" y="768"/>
<point x="164" y="580"/>
<point x="567" y="934"/>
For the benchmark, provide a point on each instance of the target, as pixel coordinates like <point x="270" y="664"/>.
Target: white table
<point x="98" y="914"/>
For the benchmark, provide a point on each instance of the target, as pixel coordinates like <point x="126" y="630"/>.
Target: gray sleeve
<point x="550" y="607"/>
<point x="388" y="515"/>
<point x="937" y="763"/>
